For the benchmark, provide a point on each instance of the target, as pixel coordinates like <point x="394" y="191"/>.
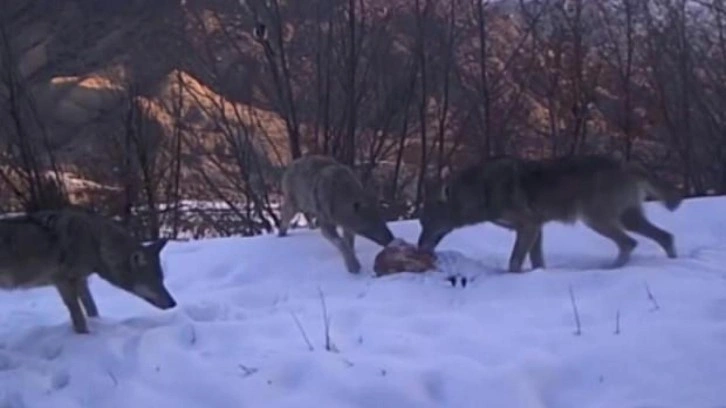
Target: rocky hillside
<point x="213" y="96"/>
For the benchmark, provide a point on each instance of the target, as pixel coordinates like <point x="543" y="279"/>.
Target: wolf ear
<point x="445" y="173"/>
<point x="158" y="245"/>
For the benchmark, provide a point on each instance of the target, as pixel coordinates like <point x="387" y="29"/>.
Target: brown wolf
<point x="525" y="194"/>
<point x="321" y="187"/>
<point x="63" y="247"/>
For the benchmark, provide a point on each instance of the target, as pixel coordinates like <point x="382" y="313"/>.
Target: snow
<point x="406" y="340"/>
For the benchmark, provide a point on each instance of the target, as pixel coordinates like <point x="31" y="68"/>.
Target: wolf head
<point x="356" y="210"/>
<point x="459" y="200"/>
<point x="143" y="275"/>
<point x="438" y="218"/>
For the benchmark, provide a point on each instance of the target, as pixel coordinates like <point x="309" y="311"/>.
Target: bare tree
<point x="670" y="63"/>
<point x="619" y="20"/>
<point x="28" y="166"/>
<point x="269" y="14"/>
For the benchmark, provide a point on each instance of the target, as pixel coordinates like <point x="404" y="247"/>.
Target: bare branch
<point x="302" y="332"/>
<point x="575" y="312"/>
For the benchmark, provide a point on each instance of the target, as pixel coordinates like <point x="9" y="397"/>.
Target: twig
<point x="302" y="331"/>
<point x="651" y="298"/>
<point x="193" y="339"/>
<point x="617" y="322"/>
<point x="576" y="313"/>
<point x="329" y="346"/>
<point x="247" y="371"/>
<point x="113" y="377"/>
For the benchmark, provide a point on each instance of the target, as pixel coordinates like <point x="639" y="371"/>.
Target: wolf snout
<point x="380" y="234"/>
<point x="159" y="298"/>
<point x="163" y="303"/>
<point x="423" y="241"/>
<point x="382" y="237"/>
<point x="428" y="242"/>
<point x="425" y="245"/>
<point x="168" y="303"/>
<point x="387" y="237"/>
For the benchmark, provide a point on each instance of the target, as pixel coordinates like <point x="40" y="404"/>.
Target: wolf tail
<point x="659" y="190"/>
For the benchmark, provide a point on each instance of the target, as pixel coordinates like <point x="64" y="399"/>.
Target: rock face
<point x="401" y="256"/>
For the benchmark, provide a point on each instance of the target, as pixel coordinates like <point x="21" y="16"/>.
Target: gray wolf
<point x="63" y="247"/>
<point x="323" y="188"/>
<point x="523" y="195"/>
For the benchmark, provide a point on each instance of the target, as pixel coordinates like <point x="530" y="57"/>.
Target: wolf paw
<point x="353" y="267"/>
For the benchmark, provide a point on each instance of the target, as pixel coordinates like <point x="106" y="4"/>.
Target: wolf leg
<point x="287" y="212"/>
<point x="536" y="255"/>
<point x="625" y="243"/>
<point x="349" y="238"/>
<point x="84" y="293"/>
<point x="634" y="220"/>
<point x="330" y="233"/>
<point x="68" y="291"/>
<point x="312" y="222"/>
<point x="526" y="237"/>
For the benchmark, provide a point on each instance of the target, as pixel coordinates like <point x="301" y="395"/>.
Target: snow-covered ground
<point x="401" y="341"/>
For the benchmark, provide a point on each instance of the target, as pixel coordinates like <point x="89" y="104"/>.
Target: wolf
<point x="523" y="195"/>
<point x="321" y="187"/>
<point x="63" y="247"/>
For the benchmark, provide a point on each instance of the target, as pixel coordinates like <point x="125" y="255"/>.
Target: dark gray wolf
<point x="63" y="247"/>
<point x="321" y="187"/>
<point x="523" y="195"/>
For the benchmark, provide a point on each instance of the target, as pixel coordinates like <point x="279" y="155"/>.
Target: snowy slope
<point x="402" y="341"/>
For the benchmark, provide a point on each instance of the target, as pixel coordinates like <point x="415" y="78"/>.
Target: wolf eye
<point x="138" y="259"/>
